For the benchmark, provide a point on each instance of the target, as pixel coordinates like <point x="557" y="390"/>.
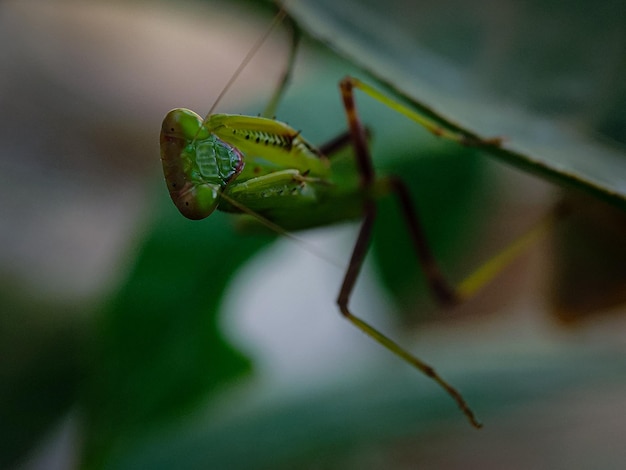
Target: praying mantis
<point x="266" y="169"/>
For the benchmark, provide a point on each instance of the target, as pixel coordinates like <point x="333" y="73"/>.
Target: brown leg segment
<point x="359" y="252"/>
<point x="444" y="292"/>
<point x="342" y="140"/>
<point x="440" y="287"/>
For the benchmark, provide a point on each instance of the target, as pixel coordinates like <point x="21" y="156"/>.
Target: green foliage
<point x="545" y="67"/>
<point x="156" y="355"/>
<point x="40" y="369"/>
<point x="158" y="349"/>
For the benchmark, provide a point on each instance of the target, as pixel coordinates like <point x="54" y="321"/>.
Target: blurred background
<point x="132" y="338"/>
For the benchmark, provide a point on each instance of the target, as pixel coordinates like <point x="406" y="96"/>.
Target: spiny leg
<point x="364" y="163"/>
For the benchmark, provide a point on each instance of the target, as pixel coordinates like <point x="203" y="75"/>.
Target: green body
<point x="258" y="163"/>
<point x="263" y="167"/>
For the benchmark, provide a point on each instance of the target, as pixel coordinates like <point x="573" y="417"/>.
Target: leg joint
<point x="347" y="83"/>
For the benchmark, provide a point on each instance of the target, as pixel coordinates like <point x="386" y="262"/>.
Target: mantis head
<point x="197" y="165"/>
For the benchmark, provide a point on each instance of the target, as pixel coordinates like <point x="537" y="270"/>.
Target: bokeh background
<point x="132" y="338"/>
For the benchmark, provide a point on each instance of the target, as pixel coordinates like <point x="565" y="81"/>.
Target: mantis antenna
<point x="277" y="20"/>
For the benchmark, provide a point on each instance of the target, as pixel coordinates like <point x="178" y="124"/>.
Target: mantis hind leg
<point x="364" y="163"/>
<point x="444" y="291"/>
<point x="441" y="288"/>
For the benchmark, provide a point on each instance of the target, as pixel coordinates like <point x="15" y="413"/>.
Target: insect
<point x="265" y="168"/>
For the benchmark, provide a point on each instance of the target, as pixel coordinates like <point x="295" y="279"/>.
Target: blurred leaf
<point x="375" y="417"/>
<point x="448" y="189"/>
<point x="159" y="350"/>
<point x="500" y="61"/>
<point x="40" y="356"/>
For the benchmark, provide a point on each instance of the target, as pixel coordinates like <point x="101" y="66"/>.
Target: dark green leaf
<point x="507" y="70"/>
<point x="159" y="350"/>
<point x="390" y="419"/>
